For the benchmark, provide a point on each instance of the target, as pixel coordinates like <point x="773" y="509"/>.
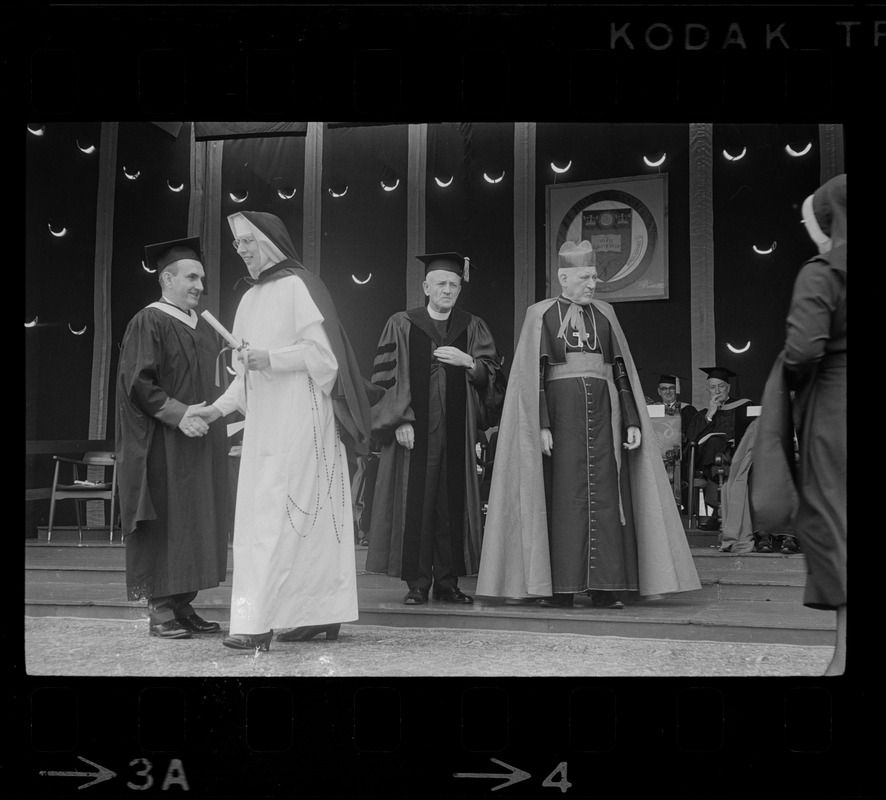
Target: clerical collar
<point x="438" y="315"/>
<point x="572" y="302"/>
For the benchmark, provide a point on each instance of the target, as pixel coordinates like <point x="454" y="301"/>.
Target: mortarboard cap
<point x="719" y="373"/>
<point x="670" y="379"/>
<point x="452" y="262"/>
<point x="163" y="254"/>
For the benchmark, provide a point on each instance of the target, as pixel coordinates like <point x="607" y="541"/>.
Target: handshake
<point x="197" y="418"/>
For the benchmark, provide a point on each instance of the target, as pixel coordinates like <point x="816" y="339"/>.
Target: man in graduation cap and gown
<point x="580" y="500"/>
<point x="669" y="390"/>
<point x="440" y="368"/>
<point x="171" y="464"/>
<point x="305" y="405"/>
<point x="721" y="426"/>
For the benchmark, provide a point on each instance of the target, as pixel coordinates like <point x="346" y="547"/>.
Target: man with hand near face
<point x="580" y="501"/>
<point x="171" y="463"/>
<point x="721" y="426"/>
<point x="439" y="367"/>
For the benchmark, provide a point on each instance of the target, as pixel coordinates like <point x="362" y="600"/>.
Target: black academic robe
<point x="728" y="426"/>
<point x="173" y="488"/>
<point x="414" y="382"/>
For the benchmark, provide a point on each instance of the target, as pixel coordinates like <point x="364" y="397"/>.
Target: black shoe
<point x="308" y="632"/>
<point x="249" y="641"/>
<point x="710" y="524"/>
<point x="416" y="597"/>
<point x="196" y="624"/>
<point x="601" y="599"/>
<point x="171" y="629"/>
<point x="790" y="544"/>
<point x="559" y="600"/>
<point x="453" y="595"/>
<point x="763" y="543"/>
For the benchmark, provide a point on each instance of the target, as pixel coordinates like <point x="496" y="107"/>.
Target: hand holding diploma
<point x="242" y="348"/>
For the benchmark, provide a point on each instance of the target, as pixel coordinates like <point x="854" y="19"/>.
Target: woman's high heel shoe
<point x="309" y="632"/>
<point x="249" y="641"/>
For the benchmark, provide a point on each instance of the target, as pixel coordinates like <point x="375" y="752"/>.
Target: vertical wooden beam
<point x="524" y="222"/>
<point x="313" y="205"/>
<point x="701" y="256"/>
<point x="204" y="212"/>
<point x="416" y="201"/>
<point x="101" y="305"/>
<point x="830" y="140"/>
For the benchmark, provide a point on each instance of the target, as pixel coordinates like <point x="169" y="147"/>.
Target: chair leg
<point x="52" y="502"/>
<point x="111" y="520"/>
<point x="79" y="526"/>
<point x="51" y="515"/>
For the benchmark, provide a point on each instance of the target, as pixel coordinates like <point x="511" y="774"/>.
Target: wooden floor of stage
<point x="744" y="598"/>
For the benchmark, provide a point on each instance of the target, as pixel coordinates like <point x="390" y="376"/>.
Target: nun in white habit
<point x="294" y="563"/>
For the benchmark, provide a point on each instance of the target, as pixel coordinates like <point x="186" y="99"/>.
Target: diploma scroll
<point x="229" y="338"/>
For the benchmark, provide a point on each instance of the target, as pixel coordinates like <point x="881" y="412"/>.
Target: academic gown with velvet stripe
<point x="172" y="487"/>
<point x="419" y="388"/>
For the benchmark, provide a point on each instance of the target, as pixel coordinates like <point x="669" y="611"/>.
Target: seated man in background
<point x="668" y="389"/>
<point x="717" y="430"/>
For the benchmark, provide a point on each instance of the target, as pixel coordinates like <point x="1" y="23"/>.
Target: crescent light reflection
<point x="283" y="196"/>
<point x="175" y="188"/>
<point x="739" y="349"/>
<point x="494" y="180"/>
<point x="76" y="333"/>
<point x="37" y="131"/>
<point x="561" y="170"/>
<point x="390" y="188"/>
<point x="760" y="252"/>
<point x="357" y="280"/>
<point x="32" y="323"/>
<point x="797" y="153"/>
<point x="655" y="163"/>
<point x="443" y="185"/>
<point x="237" y="199"/>
<point x="342" y="193"/>
<point x="60" y="233"/>
<point x="730" y="157"/>
<point x="132" y="176"/>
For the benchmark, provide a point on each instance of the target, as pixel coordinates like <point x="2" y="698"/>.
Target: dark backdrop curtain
<point x="364" y="229"/>
<point x="474" y="217"/>
<point x="757" y="201"/>
<point x="61" y="194"/>
<point x="270" y="174"/>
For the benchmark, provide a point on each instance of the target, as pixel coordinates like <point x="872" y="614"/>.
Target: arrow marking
<point x="97" y="777"/>
<point x="516" y="775"/>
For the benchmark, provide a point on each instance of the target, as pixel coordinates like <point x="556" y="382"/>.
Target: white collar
<point x="190" y="319"/>
<point x="439" y="315"/>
